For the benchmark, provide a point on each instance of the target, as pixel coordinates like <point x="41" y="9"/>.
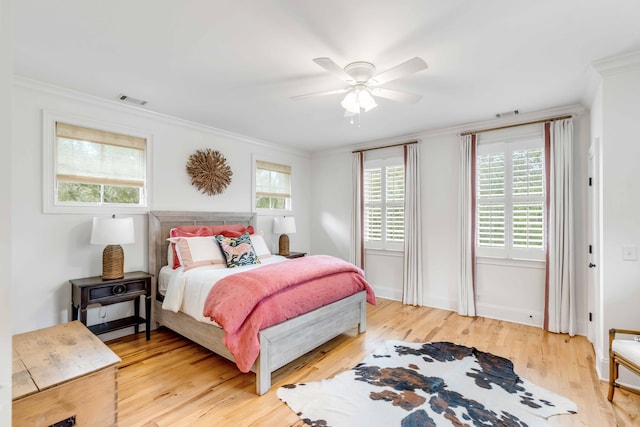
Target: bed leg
<point x="362" y="327"/>
<point x="263" y="368"/>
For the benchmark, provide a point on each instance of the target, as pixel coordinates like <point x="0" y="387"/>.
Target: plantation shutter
<point x="93" y="156"/>
<point x="510" y="197"/>
<point x="395" y="203"/>
<point x="528" y="216"/>
<point x="490" y="200"/>
<point x="373" y="205"/>
<point x="383" y="195"/>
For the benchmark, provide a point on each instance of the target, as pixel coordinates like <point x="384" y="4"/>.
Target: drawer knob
<point x="119" y="289"/>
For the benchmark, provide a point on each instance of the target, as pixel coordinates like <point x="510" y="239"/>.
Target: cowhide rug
<point x="432" y="384"/>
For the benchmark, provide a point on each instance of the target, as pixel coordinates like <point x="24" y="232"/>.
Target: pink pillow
<point x="227" y="230"/>
<point x="186" y="231"/>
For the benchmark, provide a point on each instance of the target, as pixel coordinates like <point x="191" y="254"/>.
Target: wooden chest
<point x="64" y="376"/>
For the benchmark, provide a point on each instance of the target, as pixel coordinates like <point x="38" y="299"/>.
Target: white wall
<point x="621" y="201"/>
<point x="50" y="249"/>
<point x="331" y="203"/>
<point x="6" y="71"/>
<point x="513" y="292"/>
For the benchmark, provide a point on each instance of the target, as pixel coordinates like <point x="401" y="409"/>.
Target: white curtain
<point x="357" y="242"/>
<point x="560" y="309"/>
<point x="412" y="278"/>
<point x="466" y="282"/>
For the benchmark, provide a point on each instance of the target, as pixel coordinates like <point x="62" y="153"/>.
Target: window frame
<point x="383" y="163"/>
<point x="508" y="146"/>
<point x="49" y="162"/>
<point x="254" y="163"/>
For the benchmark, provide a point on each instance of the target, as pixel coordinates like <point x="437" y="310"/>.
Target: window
<point x="384" y="204"/>
<point x="273" y="186"/>
<point x="510" y="199"/>
<point x="93" y="170"/>
<point x="98" y="167"/>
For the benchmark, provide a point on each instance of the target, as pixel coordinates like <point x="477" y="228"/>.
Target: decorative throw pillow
<point x="191" y="231"/>
<point x="238" y="251"/>
<point x="197" y="251"/>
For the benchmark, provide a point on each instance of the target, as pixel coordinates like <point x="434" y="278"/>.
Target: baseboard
<point x="528" y="317"/>
<point x="441" y="303"/>
<point x="625" y="377"/>
<point x="490" y="311"/>
<point x="396" y="295"/>
<point x="387" y="293"/>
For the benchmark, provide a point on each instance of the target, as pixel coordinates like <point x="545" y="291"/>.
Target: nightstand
<point x="95" y="290"/>
<point x="293" y="255"/>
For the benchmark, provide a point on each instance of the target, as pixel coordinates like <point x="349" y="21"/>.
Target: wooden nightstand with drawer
<point x="64" y="376"/>
<point x="94" y="290"/>
<point x="293" y="255"/>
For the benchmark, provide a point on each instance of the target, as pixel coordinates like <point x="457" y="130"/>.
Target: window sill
<point x="384" y="252"/>
<point x="263" y="211"/>
<point x="510" y="262"/>
<point x="95" y="210"/>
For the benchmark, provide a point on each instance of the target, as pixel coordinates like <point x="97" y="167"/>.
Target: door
<point x="593" y="259"/>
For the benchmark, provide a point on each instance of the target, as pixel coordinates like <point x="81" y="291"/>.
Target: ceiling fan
<point x="364" y="84"/>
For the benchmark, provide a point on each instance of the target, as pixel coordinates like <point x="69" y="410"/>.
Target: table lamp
<point x="112" y="232"/>
<point x="283" y="226"/>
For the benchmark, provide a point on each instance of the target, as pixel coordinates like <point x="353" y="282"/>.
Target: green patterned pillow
<point x="238" y="251"/>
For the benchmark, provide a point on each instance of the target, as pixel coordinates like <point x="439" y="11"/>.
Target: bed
<point x="279" y="344"/>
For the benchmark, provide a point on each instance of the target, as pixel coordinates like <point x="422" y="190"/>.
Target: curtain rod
<point x="515" y="125"/>
<point x="384" y="146"/>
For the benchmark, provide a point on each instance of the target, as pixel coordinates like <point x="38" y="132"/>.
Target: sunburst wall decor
<point x="209" y="171"/>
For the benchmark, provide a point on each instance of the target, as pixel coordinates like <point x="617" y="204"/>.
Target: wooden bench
<point x="64" y="376"/>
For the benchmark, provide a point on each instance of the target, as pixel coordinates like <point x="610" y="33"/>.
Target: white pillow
<point x="170" y="255"/>
<point x="196" y="251"/>
<point x="260" y="246"/>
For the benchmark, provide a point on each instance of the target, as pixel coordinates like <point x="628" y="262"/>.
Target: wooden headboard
<point x="160" y="222"/>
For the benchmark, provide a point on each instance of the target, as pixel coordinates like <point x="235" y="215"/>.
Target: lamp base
<point x="112" y="262"/>
<point x="283" y="245"/>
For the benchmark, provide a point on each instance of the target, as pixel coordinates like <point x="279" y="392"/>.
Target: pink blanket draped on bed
<point x="244" y="303"/>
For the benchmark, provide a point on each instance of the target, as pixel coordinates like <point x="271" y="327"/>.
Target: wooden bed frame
<point x="279" y="344"/>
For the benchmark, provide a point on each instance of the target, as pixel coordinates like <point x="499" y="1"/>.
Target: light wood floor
<point x="169" y="381"/>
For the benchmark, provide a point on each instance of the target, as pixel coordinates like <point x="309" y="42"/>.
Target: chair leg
<point x="613" y="376"/>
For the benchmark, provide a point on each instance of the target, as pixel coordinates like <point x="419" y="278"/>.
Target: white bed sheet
<point x="187" y="291"/>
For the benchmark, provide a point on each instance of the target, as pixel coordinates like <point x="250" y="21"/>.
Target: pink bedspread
<point x="244" y="303"/>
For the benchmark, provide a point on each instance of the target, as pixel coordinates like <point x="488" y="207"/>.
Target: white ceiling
<point x="235" y="64"/>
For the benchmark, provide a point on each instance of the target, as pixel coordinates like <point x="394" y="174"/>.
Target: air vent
<point x="131" y="100"/>
<point x="507" y="113"/>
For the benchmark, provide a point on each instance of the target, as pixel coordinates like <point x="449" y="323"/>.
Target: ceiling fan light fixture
<point x="357" y="99"/>
<point x="366" y="101"/>
<point x="350" y="102"/>
<point x="364" y="83"/>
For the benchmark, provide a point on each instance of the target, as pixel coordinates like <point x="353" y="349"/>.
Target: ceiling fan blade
<point x="396" y="95"/>
<point x="408" y="67"/>
<point x="329" y="92"/>
<point x="334" y="68"/>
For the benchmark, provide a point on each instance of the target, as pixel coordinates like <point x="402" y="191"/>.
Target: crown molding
<point x="576" y="110"/>
<point x="40" y="86"/>
<point x="617" y="64"/>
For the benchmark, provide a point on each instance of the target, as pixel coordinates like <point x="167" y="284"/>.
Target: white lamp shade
<point x="350" y="102"/>
<point x="112" y="231"/>
<point x="358" y="98"/>
<point x="284" y="225"/>
<point x="366" y="101"/>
